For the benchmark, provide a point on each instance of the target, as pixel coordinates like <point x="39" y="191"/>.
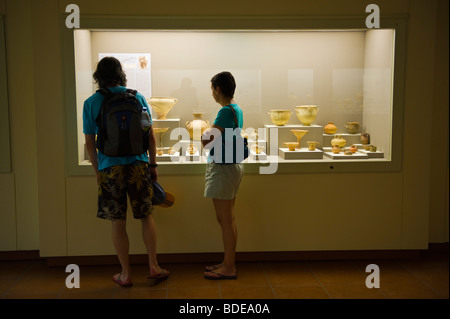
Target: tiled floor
<point x="426" y="278"/>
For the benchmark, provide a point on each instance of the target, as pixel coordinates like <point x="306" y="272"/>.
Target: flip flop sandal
<point x="164" y="274"/>
<point x="211" y="268"/>
<point x="219" y="276"/>
<point x="118" y="281"/>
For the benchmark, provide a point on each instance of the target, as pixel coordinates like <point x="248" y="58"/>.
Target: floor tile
<point x="408" y="291"/>
<point x="247" y="292"/>
<point x="353" y="292"/>
<point x="427" y="277"/>
<point x="194" y="293"/>
<point x="289" y="274"/>
<point x="140" y="292"/>
<point x="249" y="275"/>
<point x="337" y="273"/>
<point x="300" y="292"/>
<point x="189" y="276"/>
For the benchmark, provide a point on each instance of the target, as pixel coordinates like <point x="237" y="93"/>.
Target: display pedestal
<point x="285" y="135"/>
<point x="168" y="157"/>
<point x="192" y="157"/>
<point x="171" y="124"/>
<point x="376" y="154"/>
<point x="258" y="157"/>
<point x="302" y="153"/>
<point x="341" y="155"/>
<point x="262" y="145"/>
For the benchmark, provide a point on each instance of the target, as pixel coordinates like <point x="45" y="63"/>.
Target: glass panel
<point x="346" y="74"/>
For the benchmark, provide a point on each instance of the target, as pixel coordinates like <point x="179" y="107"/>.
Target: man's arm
<point x="152" y="153"/>
<point x="92" y="152"/>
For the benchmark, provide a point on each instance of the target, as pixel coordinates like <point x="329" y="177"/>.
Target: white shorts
<point x="222" y="180"/>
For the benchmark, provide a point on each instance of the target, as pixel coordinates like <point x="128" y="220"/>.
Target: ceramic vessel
<point x="312" y="145"/>
<point x="173" y="150"/>
<point x="339" y="141"/>
<point x="330" y="128"/>
<point x="162" y="105"/>
<point x="353" y="149"/>
<point x="335" y="149"/>
<point x="299" y="134"/>
<point x="197" y="126"/>
<point x="367" y="147"/>
<point x="348" y="152"/>
<point x="192" y="149"/>
<point x="306" y="114"/>
<point x="365" y="138"/>
<point x="352" y="127"/>
<point x="280" y="117"/>
<point x="373" y="148"/>
<point x="291" y="145"/>
<point x="258" y="149"/>
<point x="162" y="150"/>
<point x="159" y="132"/>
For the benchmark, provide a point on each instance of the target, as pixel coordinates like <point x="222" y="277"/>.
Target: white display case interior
<point x="347" y="74"/>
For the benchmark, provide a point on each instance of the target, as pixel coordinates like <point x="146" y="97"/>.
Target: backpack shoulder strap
<point x="104" y="91"/>
<point x="134" y="92"/>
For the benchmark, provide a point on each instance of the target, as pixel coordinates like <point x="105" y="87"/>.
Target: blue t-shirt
<point x="91" y="109"/>
<point x="225" y="119"/>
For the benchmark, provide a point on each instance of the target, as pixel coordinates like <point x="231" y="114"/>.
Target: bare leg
<point x="225" y="217"/>
<point x="149" y="237"/>
<point x="121" y="244"/>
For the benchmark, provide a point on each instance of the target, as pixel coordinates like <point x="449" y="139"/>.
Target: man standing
<point x="119" y="176"/>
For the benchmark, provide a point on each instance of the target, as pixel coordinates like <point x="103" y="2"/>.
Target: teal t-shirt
<point x="225" y="119"/>
<point x="91" y="109"/>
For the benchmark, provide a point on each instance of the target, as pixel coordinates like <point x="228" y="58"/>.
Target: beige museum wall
<point x="50" y="211"/>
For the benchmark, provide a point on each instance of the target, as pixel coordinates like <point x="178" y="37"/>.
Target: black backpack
<point x="123" y="124"/>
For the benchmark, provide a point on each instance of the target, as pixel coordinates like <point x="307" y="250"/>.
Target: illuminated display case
<point x="334" y="83"/>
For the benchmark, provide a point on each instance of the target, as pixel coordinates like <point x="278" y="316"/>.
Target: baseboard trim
<point x="19" y="255"/>
<point x="240" y="256"/>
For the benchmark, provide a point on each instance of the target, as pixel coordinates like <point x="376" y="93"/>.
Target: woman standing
<point x="222" y="179"/>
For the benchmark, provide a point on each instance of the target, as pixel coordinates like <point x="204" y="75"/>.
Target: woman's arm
<point x="210" y="134"/>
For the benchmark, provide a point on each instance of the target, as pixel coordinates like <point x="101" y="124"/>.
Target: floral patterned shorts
<point x="116" y="182"/>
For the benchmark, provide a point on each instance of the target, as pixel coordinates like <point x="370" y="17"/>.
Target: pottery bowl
<point x="280" y="117"/>
<point x="258" y="149"/>
<point x="312" y="145"/>
<point x="291" y="145"/>
<point x="162" y="105"/>
<point x="306" y="114"/>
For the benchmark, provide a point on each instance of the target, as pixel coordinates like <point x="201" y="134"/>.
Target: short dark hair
<point x="109" y="73"/>
<point x="225" y="81"/>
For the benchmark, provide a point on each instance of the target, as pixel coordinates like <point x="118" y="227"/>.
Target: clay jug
<point x="330" y="128"/>
<point x="365" y="138"/>
<point x="339" y="141"/>
<point x="336" y="149"/>
<point x="353" y="149"/>
<point x="197" y="126"/>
